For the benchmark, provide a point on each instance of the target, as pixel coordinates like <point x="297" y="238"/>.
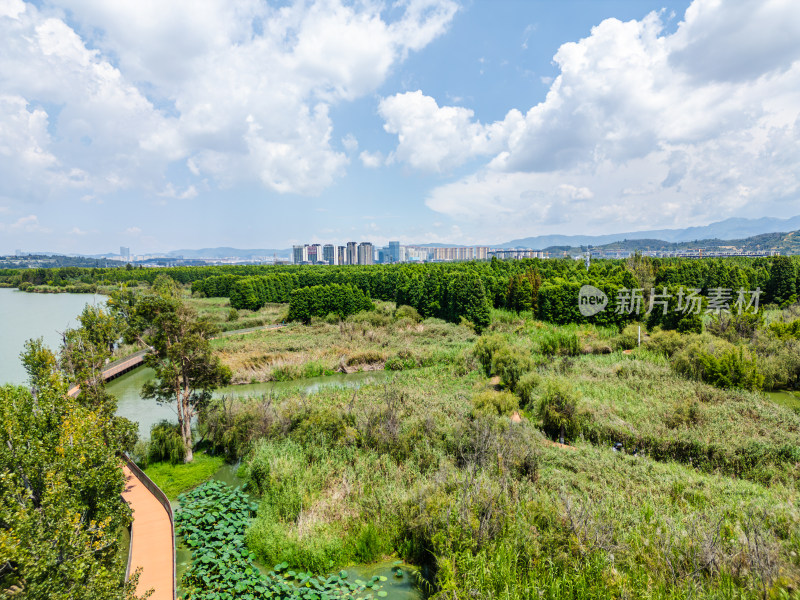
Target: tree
<point x="60" y="486"/>
<point x="782" y="276"/>
<point x="559" y="408"/>
<point x="41" y="365"/>
<point x="185" y="369"/>
<point x="84" y="353"/>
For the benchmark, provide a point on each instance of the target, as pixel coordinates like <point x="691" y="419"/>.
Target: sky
<point x="261" y="124"/>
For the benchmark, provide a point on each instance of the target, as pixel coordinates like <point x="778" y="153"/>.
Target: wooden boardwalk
<point x="152" y="535"/>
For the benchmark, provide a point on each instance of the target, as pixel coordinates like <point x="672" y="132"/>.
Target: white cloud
<point x="709" y="116"/>
<point x="133" y="231"/>
<point x="172" y="192"/>
<point x="350" y="142"/>
<point x="238" y="92"/>
<point x="28" y="224"/>
<point x="371" y="160"/>
<point x="77" y="231"/>
<point x="440" y="138"/>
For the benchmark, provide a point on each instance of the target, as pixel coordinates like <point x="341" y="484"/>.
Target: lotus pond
<point x="212" y="521"/>
<point x="224" y="493"/>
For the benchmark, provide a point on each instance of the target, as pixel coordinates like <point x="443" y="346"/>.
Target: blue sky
<point x="256" y="124"/>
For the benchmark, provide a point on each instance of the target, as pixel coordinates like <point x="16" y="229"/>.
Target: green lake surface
<point x="131" y="405"/>
<point x="24" y="316"/>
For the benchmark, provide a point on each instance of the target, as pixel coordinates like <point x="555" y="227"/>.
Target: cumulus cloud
<point x="107" y="95"/>
<point x="708" y="114"/>
<point x="437" y="138"/>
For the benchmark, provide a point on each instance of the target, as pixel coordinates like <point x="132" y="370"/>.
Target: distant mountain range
<point x="785" y="243"/>
<point x="226" y="252"/>
<point x="729" y="229"/>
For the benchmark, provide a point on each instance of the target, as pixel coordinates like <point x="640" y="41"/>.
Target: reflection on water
<point x="146" y="413"/>
<point x="402" y="587"/>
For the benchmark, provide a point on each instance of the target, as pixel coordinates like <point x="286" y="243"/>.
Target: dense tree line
<point x="321" y="300"/>
<point x="254" y="292"/>
<point x="548" y="288"/>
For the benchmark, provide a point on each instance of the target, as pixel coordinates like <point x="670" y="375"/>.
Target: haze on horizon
<point x="262" y="124"/>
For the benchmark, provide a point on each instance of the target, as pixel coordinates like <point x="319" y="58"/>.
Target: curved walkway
<point x="130" y="362"/>
<point x="152" y="535"/>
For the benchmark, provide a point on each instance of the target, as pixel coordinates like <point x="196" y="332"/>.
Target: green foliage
<point x="318" y="301"/>
<point x="558" y="341"/>
<point x="212" y="521"/>
<point x="496" y="403"/>
<point x="527" y="388"/>
<point x="60" y="509"/>
<point x="407" y="312"/>
<point x="166" y="444"/>
<point x="719" y="363"/>
<point x="666" y="342"/>
<point x="176" y="478"/>
<point x="785" y="330"/>
<point x="782" y="281"/>
<point x="736" y="327"/>
<point x="186" y="371"/>
<point x="629" y="337"/>
<point x="558" y="408"/>
<point x="510" y="364"/>
<point x="485" y="349"/>
<point x="40" y="364"/>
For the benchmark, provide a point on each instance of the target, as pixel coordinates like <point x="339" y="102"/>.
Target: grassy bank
<point x="174" y="479"/>
<point x="380" y="339"/>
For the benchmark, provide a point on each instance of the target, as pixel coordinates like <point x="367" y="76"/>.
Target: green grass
<point x="406" y="467"/>
<point x="175" y="479"/>
<point x="363" y="341"/>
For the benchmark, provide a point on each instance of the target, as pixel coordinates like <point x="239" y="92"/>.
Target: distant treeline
<point x="451" y="291"/>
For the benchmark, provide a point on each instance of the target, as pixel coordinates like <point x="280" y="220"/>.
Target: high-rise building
<point x="299" y="254"/>
<point x="328" y="255"/>
<point x="315" y="254"/>
<point x="341" y="255"/>
<point x="125" y="253"/>
<point x="352" y="253"/>
<point x="366" y="253"/>
<point x="394" y="252"/>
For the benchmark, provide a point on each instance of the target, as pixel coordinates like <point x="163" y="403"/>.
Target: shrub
<point x="527" y="387"/>
<point x="510" y="364"/>
<point x="719" y="363"/>
<point x="629" y="337"/>
<point x="485" y="348"/>
<point x="735" y="327"/>
<point x="665" y="342"/>
<point x="560" y="342"/>
<point x="407" y="312"/>
<point x="558" y="408"/>
<point x="492" y="402"/>
<point x="233" y="315"/>
<point x="166" y="444"/>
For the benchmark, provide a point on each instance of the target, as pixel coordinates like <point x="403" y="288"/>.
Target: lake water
<point x="24" y="316"/>
<point x="146" y="413"/>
